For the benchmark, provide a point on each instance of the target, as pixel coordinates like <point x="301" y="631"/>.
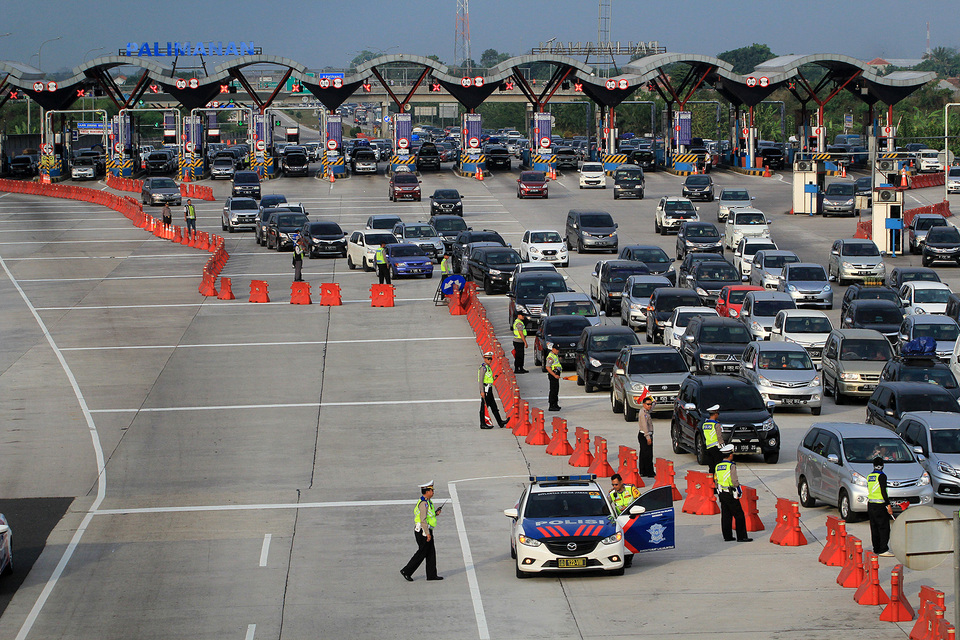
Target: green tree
<point x="944" y="61"/>
<point x="491" y="58"/>
<point x="360" y="58"/>
<point x="745" y="59"/>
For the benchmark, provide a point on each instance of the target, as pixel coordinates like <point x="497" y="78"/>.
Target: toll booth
<point x="121" y="159"/>
<point x="471" y="157"/>
<point x="212" y="132"/>
<point x="890" y="168"/>
<point x="809" y="177"/>
<point x="333" y="159"/>
<point x="293" y="135"/>
<point x="542" y="157"/>
<point x="263" y="162"/>
<point x="191" y="155"/>
<point x="888" y="219"/>
<point x="402" y="137"/>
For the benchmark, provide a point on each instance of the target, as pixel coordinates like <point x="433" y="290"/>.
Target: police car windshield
<point x="945" y="440"/>
<point x="942" y="377"/>
<point x="864" y="450"/>
<point x="650" y="363"/>
<point x="566" y="504"/>
<point x="732" y="398"/>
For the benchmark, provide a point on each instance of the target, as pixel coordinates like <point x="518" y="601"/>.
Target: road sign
<point x="403" y="143"/>
<point x="181" y="83"/>
<point x="623" y="83"/>
<point x="888" y="131"/>
<point x="848" y="120"/>
<point x="764" y="81"/>
<point x="48" y="149"/>
<point x="453" y="281"/>
<point x="118" y="147"/>
<point x="818" y="131"/>
<point x="193" y="83"/>
<point x="324" y="83"/>
<point x="474" y="143"/>
<point x="332" y="144"/>
<point x="751" y="81"/>
<point x="545" y="142"/>
<point x="90" y="127"/>
<point x="338" y="83"/>
<point x="466" y="82"/>
<point x="610" y="84"/>
<point x="38" y="86"/>
<point x="478" y="81"/>
<point x="51" y="86"/>
<point x="386" y="118"/>
<point x="261" y="145"/>
<point x="745" y="132"/>
<point x="190" y="146"/>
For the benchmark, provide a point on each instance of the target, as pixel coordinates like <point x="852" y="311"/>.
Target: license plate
<point x="572" y="563"/>
<point x="727" y="367"/>
<point x="745" y="448"/>
<point x="868" y="387"/>
<point x="810" y="298"/>
<point x="662" y="399"/>
<point x="864" y="273"/>
<point x="793" y="401"/>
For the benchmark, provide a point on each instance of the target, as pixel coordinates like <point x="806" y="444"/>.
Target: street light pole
<point x="40" y="51"/>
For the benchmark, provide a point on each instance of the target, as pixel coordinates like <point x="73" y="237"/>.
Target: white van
<point x="953" y="180"/>
<point x="929" y="160"/>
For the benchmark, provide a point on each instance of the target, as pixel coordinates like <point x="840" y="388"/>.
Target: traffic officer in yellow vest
<point x="728" y="489"/>
<point x="879" y="509"/>
<point x="519" y="342"/>
<point x="424" y="522"/>
<point x="190" y="217"/>
<point x="712" y="436"/>
<point x="383" y="269"/>
<point x="446" y="265"/>
<point x="554" y="369"/>
<point x="621" y="495"/>
<point x="485" y="378"/>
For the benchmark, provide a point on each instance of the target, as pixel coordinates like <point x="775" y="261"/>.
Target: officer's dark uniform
<point x="383" y="269"/>
<point x="297" y="262"/>
<point x="728" y="490"/>
<point x="519" y="343"/>
<point x="554" y="369"/>
<point x="879" y="509"/>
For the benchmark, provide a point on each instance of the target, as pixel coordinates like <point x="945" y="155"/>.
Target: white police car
<point x="566" y="523"/>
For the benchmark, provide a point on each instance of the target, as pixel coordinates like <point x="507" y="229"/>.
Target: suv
<point x="422" y="235"/>
<point x="160" y="191"/>
<point x="593" y="175"/>
<point x="404" y="185"/>
<point x="239" y="213"/>
<point x="771" y="157"/>
<point x="746" y="421"/>
<point x="283" y="229"/>
<point x="929" y="370"/>
<point x="223" y="166"/>
<point x="570" y="303"/>
<point x="446" y="201"/>
<point x="323" y="236"/>
<point x="492" y="267"/>
<point x="708" y="277"/>
<point x="662" y="303"/>
<point x="731" y="198"/>
<point x="921" y="223"/>
<point x="563" y="331"/>
<point x="714" y="345"/>
<point x="295" y="161"/>
<point x="745" y="223"/>
<point x="937" y="434"/>
<point x="362" y="247"/>
<point x="636" y="297"/>
<point x="698" y="187"/>
<point x="458" y="253"/>
<point x="527" y="293"/>
<point x="607" y="281"/>
<point x="591" y="230"/>
<point x="834" y="460"/>
<point x="784" y="374"/>
<point x="566" y="157"/>
<point x="448" y="227"/>
<point x="855" y="259"/>
<point x="767" y="266"/>
<point x="646" y="370"/>
<point x="900" y="276"/>
<point x="942" y="244"/>
<point x="428" y="157"/>
<point x="867" y="292"/>
<point x="839" y="199"/>
<point x="628" y="181"/>
<point x="363" y="160"/>
<point x="807" y="327"/>
<point x="891" y="400"/>
<point x="880" y="315"/>
<point x="597" y="350"/>
<point x="924" y="297"/>
<point x="671" y="213"/>
<point x="852" y="362"/>
<point x="698" y="237"/>
<point x="246" y="183"/>
<point x="498" y="157"/>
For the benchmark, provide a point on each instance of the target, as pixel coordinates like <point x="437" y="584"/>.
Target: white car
<point x="921" y="296"/>
<point x="672" y="212"/>
<point x="953" y="180"/>
<point x="929" y="160"/>
<point x="745" y="223"/>
<point x="731" y="198"/>
<point x="544" y="245"/>
<point x="807" y="327"/>
<point x="677" y="325"/>
<point x="362" y="247"/>
<point x="746" y="249"/>
<point x="592" y="176"/>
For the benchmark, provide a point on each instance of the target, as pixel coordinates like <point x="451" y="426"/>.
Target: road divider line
<point x="265" y="549"/>
<point x="468" y="565"/>
<point x="265" y="506"/>
<point x="251" y="631"/>
<point x="216" y="345"/>
<point x="209" y="305"/>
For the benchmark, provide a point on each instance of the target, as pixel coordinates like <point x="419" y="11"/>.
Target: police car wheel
<point x="513" y="553"/>
<point x="521" y="574"/>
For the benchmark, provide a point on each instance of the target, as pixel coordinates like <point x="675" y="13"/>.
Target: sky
<point x="321" y="33"/>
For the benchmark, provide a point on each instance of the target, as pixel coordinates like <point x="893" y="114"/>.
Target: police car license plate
<point x="572" y="563"/>
<point x="745" y="448"/>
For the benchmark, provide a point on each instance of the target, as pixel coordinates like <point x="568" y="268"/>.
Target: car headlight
<point x="495" y="272"/>
<point x="850" y="377"/>
<point x="534" y="250"/>
<point x="919" y="310"/>
<point x="924" y="479"/>
<point x="848" y="202"/>
<point x="708" y="356"/>
<point x="826" y="289"/>
<point x="946" y="468"/>
<point x="767" y="424"/>
<point x="522" y="309"/>
<point x="636" y="386"/>
<point x="285" y="236"/>
<point x="847" y="265"/>
<point x="791" y="288"/>
<point x="733" y="313"/>
<point x="530" y="542"/>
<point x="756" y="326"/>
<point x="595" y="363"/>
<point x="636" y="306"/>
<point x="763" y="381"/>
<point x="614" y="539"/>
<point x="815" y="382"/>
<point x="702" y="292"/>
<point x="858" y="479"/>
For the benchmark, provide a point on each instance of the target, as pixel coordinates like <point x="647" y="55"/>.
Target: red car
<point x="404" y="185"/>
<point x="731" y="299"/>
<point x="532" y="183"/>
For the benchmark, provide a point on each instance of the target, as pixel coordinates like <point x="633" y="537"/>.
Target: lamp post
<point x="40" y="51"/>
<point x="85" y="57"/>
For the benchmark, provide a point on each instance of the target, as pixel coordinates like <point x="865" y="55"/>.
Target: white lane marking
<point x="81" y="229"/>
<point x="156" y="256"/>
<point x="914" y="198"/>
<point x="101" y="469"/>
<point x="469" y="567"/>
<point x="265" y="549"/>
<point x="251" y="631"/>
<point x="284" y="405"/>
<point x="266" y="506"/>
<point x="216" y="345"/>
<point x="110" y="241"/>
<point x="252" y="276"/>
<point x="210" y="304"/>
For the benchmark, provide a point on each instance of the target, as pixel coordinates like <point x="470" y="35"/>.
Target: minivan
<point x="628" y="182"/>
<point x="246" y="183"/>
<point x="593" y="230"/>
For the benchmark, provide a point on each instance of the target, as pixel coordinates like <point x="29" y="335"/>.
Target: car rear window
<point x="807" y="274"/>
<point x="872" y="350"/>
<point x="807" y="325"/>
<point x="380" y="238"/>
<point x="724" y="334"/>
<point x="777" y="262"/>
<point x="533" y="176"/>
<point x="574" y="308"/>
<point x="671" y="302"/>
<point x="566" y="325"/>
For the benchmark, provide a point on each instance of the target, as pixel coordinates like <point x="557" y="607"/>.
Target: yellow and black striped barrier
<point x="403" y="160"/>
<point x="612" y="161"/>
<point x="338" y="165"/>
<point x="469" y="162"/>
<point x="685" y="157"/>
<point x="821" y="156"/>
<point x="121" y="167"/>
<point x="192" y="165"/>
<point x="263" y="166"/>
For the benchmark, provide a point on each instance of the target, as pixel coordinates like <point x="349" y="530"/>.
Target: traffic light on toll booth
<point x="276" y="122"/>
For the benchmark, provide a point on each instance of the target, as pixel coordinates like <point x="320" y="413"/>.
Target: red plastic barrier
<point x="382" y="295"/>
<point x="559" y="444"/>
<point x="581" y="456"/>
<point x="514" y="418"/>
<point x="226" y="290"/>
<point x="300" y="293"/>
<point x="835" y="549"/>
<point x="537" y="436"/>
<point x="870" y="591"/>
<point x="330" y="294"/>
<point x="258" y="291"/>
<point x="666" y="476"/>
<point x="898" y="609"/>
<point x="748" y="501"/>
<point x="207" y="285"/>
<point x="787" y="533"/>
<point x="931" y="601"/>
<point x="701" y="494"/>
<point x="521" y="429"/>
<point x="851" y="575"/>
<point x="627" y="467"/>
<point x="600" y="465"/>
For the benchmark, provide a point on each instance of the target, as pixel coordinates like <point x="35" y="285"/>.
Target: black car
<point x="492" y="267"/>
<point x="662" y="303"/>
<point x="747" y="423"/>
<point x="283" y="230"/>
<point x="446" y="201"/>
<point x="698" y="236"/>
<point x="566" y="158"/>
<point x="466" y="237"/>
<point x="942" y="244"/>
<point x="867" y="292"/>
<point x="708" y="277"/>
<point x="864" y="187"/>
<point x="890" y="400"/>
<point x="772" y="157"/>
<point x="900" y="276"/>
<point x="25" y="165"/>
<point x="656" y="259"/>
<point x="263" y="221"/>
<point x="428" y="157"/>
<point x="322" y="237"/>
<point x="691" y="261"/>
<point x="628" y="181"/>
<point x="527" y="293"/>
<point x="498" y="157"/>
<point x="880" y="315"/>
<point x="563" y="331"/>
<point x="698" y="187"/>
<point x="159" y="163"/>
<point x="272" y="200"/>
<point x="295" y="161"/>
<point x="714" y="345"/>
<point x="644" y="158"/>
<point x="597" y="351"/>
<point x="929" y="370"/>
<point x="609" y="277"/>
<point x="448" y="227"/>
<point x="246" y="183"/>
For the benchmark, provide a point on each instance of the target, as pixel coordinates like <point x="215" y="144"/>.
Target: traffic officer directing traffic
<point x="485" y="377"/>
<point x="519" y="342"/>
<point x="297" y="262"/>
<point x="712" y="437"/>
<point x="728" y="488"/>
<point x="424" y="522"/>
<point x="446" y="265"/>
<point x="190" y="216"/>
<point x="621" y="495"/>
<point x="554" y="369"/>
<point x="879" y="509"/>
<point x="383" y="269"/>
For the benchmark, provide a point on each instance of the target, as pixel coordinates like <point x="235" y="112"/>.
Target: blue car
<point x="408" y="260"/>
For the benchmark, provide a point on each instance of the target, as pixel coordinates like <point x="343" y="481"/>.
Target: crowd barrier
<point x="865" y="227"/>
<point x="187" y="190"/>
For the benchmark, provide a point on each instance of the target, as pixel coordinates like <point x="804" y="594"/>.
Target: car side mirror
<point x="834" y="458"/>
<point x="618" y="371"/>
<point x="511" y="513"/>
<point x="603" y="313"/>
<point x="753" y="197"/>
<point x="509" y="294"/>
<point x="747" y="365"/>
<point x="769" y="221"/>
<point x="771" y="405"/>
<point x="689" y="407"/>
<point x="637" y="510"/>
<point x="576" y="227"/>
<point x="890" y="413"/>
<point x="918" y="450"/>
<point x="834" y="253"/>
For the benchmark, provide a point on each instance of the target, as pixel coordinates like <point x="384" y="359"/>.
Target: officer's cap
<point x="551" y="345"/>
<point x="428" y="485"/>
<point x="521" y="314"/>
<point x="714" y="408"/>
<point x="727" y="448"/>
<point x="488" y="354"/>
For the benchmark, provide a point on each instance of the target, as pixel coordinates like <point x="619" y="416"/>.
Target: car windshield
<point x="865" y="349"/>
<point x="864" y="183"/>
<point x="611" y="342"/>
<point x="807" y="274"/>
<point x="566" y="504"/>
<point x="669" y="303"/>
<point x="244" y="205"/>
<point x="628" y="176"/>
<point x="542" y="237"/>
<point x="446" y="194"/>
<point x="864" y="450"/>
<point x="651" y="363"/>
<point x="291" y="220"/>
<point x="922" y="276"/>
<point x="935" y="296"/>
<point x="777" y="262"/>
<point x="860" y="249"/>
<point x="449" y="224"/>
<point x="405" y="178"/>
<point x="750" y="219"/>
<point x="380" y="238"/>
<point x="325" y="228"/>
<point x="724" y="334"/>
<point x="738" y="195"/>
<point x="595" y="220"/>
<point x="645" y="289"/>
<point x="538" y="289"/>
<point x="934" y="400"/>
<point x="406" y="251"/>
<point x="840" y="189"/>
<point x="698" y="181"/>
<point x="683" y="317"/>
<point x="942" y="377"/>
<point x="945" y="440"/>
<point x="702" y="231"/>
<point x="751" y="248"/>
<point x="383" y="223"/>
<point x="879" y="315"/>
<point x="923" y="223"/>
<point x="736" y="296"/>
<point x="246" y="178"/>
<point x="944" y="331"/>
<point x="732" y="398"/>
<point x="944" y="234"/>
<point x="807" y="325"/>
<point x="718" y="272"/>
<point x="591" y="167"/>
<point x="419" y="231"/>
<point x="574" y="308"/>
<point x="619" y="276"/>
<point x="785" y="360"/>
<point x="770" y="308"/>
<point x="566" y="326"/>
<point x="533" y="176"/>
<point x="510" y="257"/>
<point x="271" y="200"/>
<point x="679" y="206"/>
<point x="163" y="183"/>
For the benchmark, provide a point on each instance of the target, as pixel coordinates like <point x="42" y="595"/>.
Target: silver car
<point x="422" y="235"/>
<point x="937" y="436"/>
<point x="732" y="198"/>
<point x="767" y="265"/>
<point x="855" y="259"/>
<point x="783" y="374"/>
<point x="807" y="327"/>
<point x="239" y="213"/>
<point x="835" y="458"/>
<point x="657" y="370"/>
<point x="807" y="284"/>
<point x="160" y="191"/>
<point x="760" y="308"/>
<point x="636" y="297"/>
<point x="838" y="199"/>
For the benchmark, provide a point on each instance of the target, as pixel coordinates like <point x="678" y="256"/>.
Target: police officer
<point x="554" y="369"/>
<point x="446" y="265"/>
<point x="297" y="262"/>
<point x="879" y="509"/>
<point x="190" y="216"/>
<point x="166" y="214"/>
<point x="519" y="342"/>
<point x="485" y="377"/>
<point x="383" y="269"/>
<point x="621" y="495"/>
<point x="712" y="436"/>
<point x="645" y="438"/>
<point x="424" y="522"/>
<point x="728" y="488"/>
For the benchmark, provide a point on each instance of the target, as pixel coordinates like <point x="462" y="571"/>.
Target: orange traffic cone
<point x="843" y="170"/>
<point x="903" y="178"/>
<point x="332" y="179"/>
<point x="553" y="173"/>
<point x="480" y="174"/>
<point x="766" y="169"/>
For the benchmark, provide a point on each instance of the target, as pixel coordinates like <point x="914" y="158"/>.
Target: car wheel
<point x="675" y="438"/>
<point x="366" y="265"/>
<point x="640" y="197"/>
<point x="925" y="262"/>
<point x="700" y="448"/>
<point x="513" y="553"/>
<point x="580" y="380"/>
<point x="617" y="572"/>
<point x="846" y="512"/>
<point x="616" y="407"/>
<point x="579" y="246"/>
<point x="350" y="264"/>
<point x="223" y="225"/>
<point x="803" y="490"/>
<point x="629" y="413"/>
<point x="428" y="276"/>
<point x="616" y="196"/>
<point x="816" y="410"/>
<point x="521" y="574"/>
<point x="487" y="286"/>
<point x="543" y="361"/>
<point x="838" y="397"/>
<point x="589" y="387"/>
<point x="771" y="457"/>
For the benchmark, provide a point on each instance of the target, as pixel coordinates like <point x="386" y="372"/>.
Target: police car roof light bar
<point x="562" y="478"/>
